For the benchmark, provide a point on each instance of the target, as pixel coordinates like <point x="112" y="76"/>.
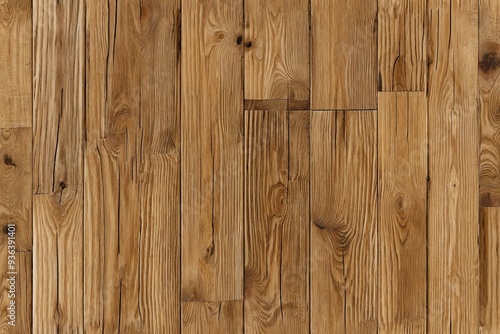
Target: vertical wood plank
<point x="344" y="54"/>
<point x="402" y="196"/>
<point x="16" y="36"/>
<point x="276" y="221"/>
<point x="489" y="87"/>
<point x="212" y="151"/>
<point x="344" y="222"/>
<point x="489" y="271"/>
<point x="453" y="167"/>
<point x="212" y="317"/>
<point x="277" y="49"/>
<point x="402" y="52"/>
<point x="24" y="296"/>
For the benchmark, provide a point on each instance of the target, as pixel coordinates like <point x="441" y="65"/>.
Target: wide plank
<point x="212" y="317"/>
<point x="344" y="222"/>
<point x="402" y="221"/>
<point x="276" y="49"/>
<point x="453" y="209"/>
<point x="344" y="54"/>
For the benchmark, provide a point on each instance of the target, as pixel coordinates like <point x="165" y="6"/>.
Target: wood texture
<point x="16" y="41"/>
<point x="344" y="54"/>
<point x="453" y="167"/>
<point x="212" y="151"/>
<point x="344" y="222"/>
<point x="489" y="97"/>
<point x="212" y="317"/>
<point x="402" y="51"/>
<point x="276" y="49"/>
<point x="276" y="221"/>
<point x="402" y="221"/>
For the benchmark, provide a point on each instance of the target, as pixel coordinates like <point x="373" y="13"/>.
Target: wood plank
<point x="402" y="222"/>
<point x="16" y="36"/>
<point x="212" y="151"/>
<point x="402" y="52"/>
<point x="212" y="317"/>
<point x="24" y="296"/>
<point x="58" y="262"/>
<point x="276" y="221"/>
<point x="489" y="286"/>
<point x="453" y="167"/>
<point x="277" y="49"/>
<point x="344" y="222"/>
<point x="15" y="184"/>
<point x="344" y="63"/>
<point x="59" y="98"/>
<point x="489" y="88"/>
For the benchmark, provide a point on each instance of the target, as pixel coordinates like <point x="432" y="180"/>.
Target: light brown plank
<point x="15" y="184"/>
<point x="344" y="54"/>
<point x="24" y="296"/>
<point x="453" y="167"/>
<point x="402" y="222"/>
<point x="489" y="87"/>
<point x="212" y="151"/>
<point x="489" y="286"/>
<point x="276" y="221"/>
<point x="16" y="38"/>
<point x="212" y="317"/>
<point x="58" y="83"/>
<point x="344" y="222"/>
<point x="276" y="49"/>
<point x="402" y="40"/>
<point x="58" y="262"/>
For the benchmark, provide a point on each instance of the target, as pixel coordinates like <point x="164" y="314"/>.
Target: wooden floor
<point x="250" y="166"/>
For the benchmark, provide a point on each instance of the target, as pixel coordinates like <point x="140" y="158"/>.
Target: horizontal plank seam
<point x="212" y="301"/>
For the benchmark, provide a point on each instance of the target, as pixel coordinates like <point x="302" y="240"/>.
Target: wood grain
<point x="276" y="49"/>
<point x="16" y="39"/>
<point x="453" y="167"/>
<point x="276" y="221"/>
<point x="24" y="293"/>
<point x="402" y="47"/>
<point x="212" y="151"/>
<point x="344" y="54"/>
<point x="212" y="317"/>
<point x="402" y="221"/>
<point x="489" y="288"/>
<point x="344" y="222"/>
<point x="489" y="88"/>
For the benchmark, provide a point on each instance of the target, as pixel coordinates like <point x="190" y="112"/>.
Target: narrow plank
<point x="344" y="63"/>
<point x="277" y="49"/>
<point x="59" y="99"/>
<point x="24" y="296"/>
<point x="453" y="167"/>
<point x="489" y="88"/>
<point x="402" y="222"/>
<point x="402" y="52"/>
<point x="344" y="222"/>
<point x="212" y="317"/>
<point x="212" y="151"/>
<point x="276" y="221"/>
<point x="15" y="184"/>
<point x="489" y="271"/>
<point x="58" y="262"/>
<point x="16" y="38"/>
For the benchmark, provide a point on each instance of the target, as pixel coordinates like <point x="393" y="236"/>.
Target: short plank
<point x="16" y="36"/>
<point x="453" y="202"/>
<point x="344" y="222"/>
<point x="276" y="221"/>
<point x="59" y="98"/>
<point x="276" y="45"/>
<point x="402" y="51"/>
<point x="212" y="317"/>
<point x="489" y="259"/>
<point x="402" y="223"/>
<point x="344" y="54"/>
<point x="489" y="88"/>
<point x="58" y="262"/>
<point x="24" y="295"/>
<point x="15" y="184"/>
<point x="212" y="151"/>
